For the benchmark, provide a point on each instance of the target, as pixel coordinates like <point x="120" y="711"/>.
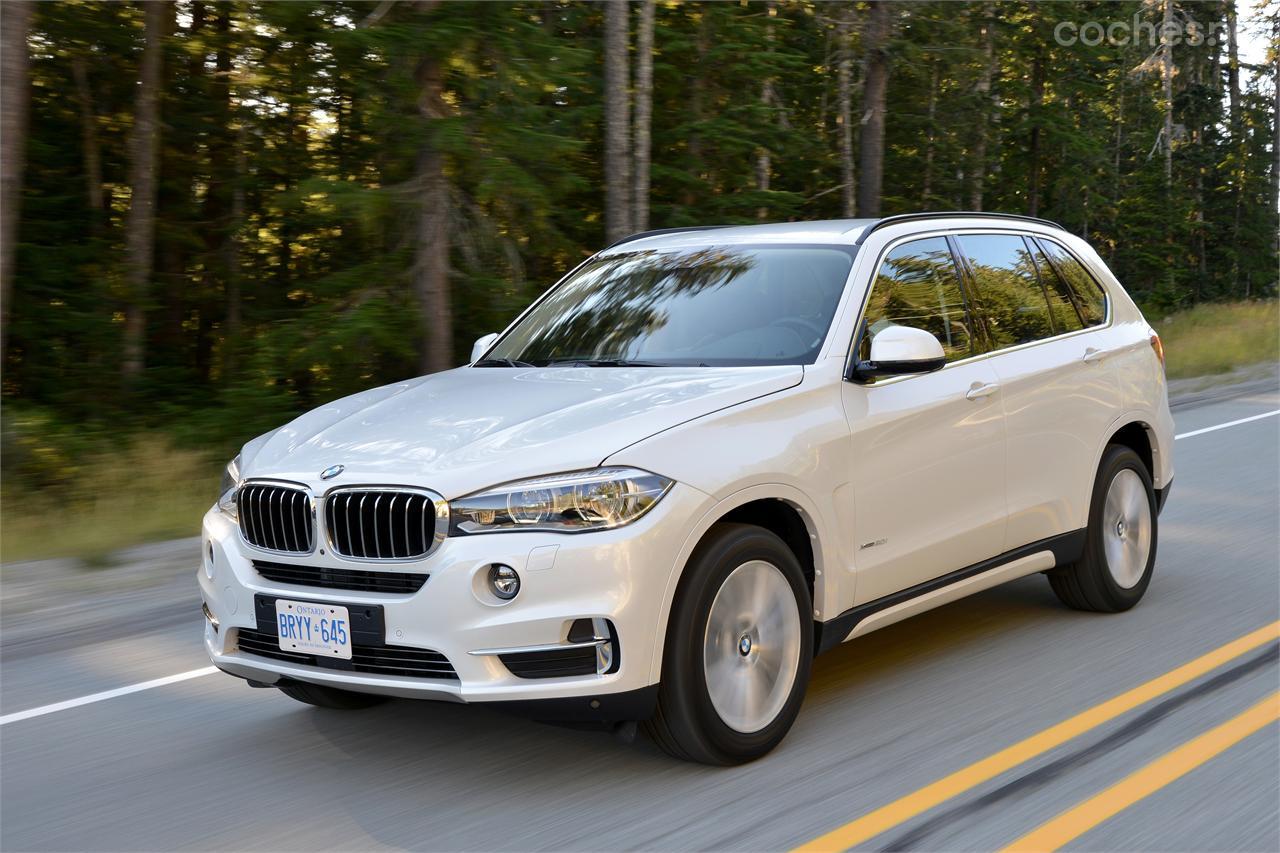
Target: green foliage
<point x="288" y="201"/>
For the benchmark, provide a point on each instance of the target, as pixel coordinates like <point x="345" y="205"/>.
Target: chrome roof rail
<point x="951" y="214"/>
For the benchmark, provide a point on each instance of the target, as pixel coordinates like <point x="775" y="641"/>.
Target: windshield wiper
<point x="603" y="362"/>
<point x="501" y="362"/>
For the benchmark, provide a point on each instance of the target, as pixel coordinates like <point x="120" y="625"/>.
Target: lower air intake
<point x="372" y="659"/>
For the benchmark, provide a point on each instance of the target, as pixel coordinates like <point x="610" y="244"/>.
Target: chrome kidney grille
<point x="381" y="524"/>
<point x="276" y="518"/>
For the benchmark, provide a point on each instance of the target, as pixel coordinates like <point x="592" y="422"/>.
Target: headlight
<point x="570" y="503"/>
<point x="227" y="491"/>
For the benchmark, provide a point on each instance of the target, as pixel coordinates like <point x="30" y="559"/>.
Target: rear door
<point x="929" y="449"/>
<point x="1049" y="356"/>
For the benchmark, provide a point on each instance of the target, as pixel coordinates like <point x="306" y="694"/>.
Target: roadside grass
<point x="101" y="501"/>
<point x="145" y="492"/>
<point x="1216" y="338"/>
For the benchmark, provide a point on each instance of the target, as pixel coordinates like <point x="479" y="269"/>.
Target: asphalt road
<point x="211" y="763"/>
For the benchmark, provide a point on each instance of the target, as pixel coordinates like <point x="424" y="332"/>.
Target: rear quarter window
<point x="1090" y="296"/>
<point x="1008" y="286"/>
<point x="1062" y="301"/>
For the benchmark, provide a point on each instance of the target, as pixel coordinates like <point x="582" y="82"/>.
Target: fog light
<point x="503" y="581"/>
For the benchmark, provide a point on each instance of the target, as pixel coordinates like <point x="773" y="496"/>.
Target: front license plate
<point x="314" y="629"/>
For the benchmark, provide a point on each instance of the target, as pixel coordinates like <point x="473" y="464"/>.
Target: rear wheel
<point x="331" y="697"/>
<point x="1120" y="548"/>
<point x="739" y="645"/>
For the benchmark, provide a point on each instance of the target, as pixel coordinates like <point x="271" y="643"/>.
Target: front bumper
<point x="618" y="575"/>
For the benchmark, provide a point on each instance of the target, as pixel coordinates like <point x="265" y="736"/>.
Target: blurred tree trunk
<point x="1233" y="65"/>
<point x="15" y="18"/>
<point x="644" y="113"/>
<point x="978" y="169"/>
<point x="1117" y="177"/>
<point x="1166" y="135"/>
<point x="844" y="118"/>
<point x="1166" y="76"/>
<point x="89" y="141"/>
<point x="697" y="112"/>
<point x="173" y="298"/>
<point x="617" y="101"/>
<point x="1033" y="143"/>
<point x="1197" y="198"/>
<point x="1237" y="139"/>
<point x="140" y="223"/>
<point x="875" y="44"/>
<point x="231" y="257"/>
<point x="431" y="267"/>
<point x="926" y="191"/>
<point x="764" y="158"/>
<point x="218" y="214"/>
<point x="1275" y="153"/>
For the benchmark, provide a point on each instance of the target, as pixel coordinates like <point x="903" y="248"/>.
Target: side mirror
<point x="899" y="350"/>
<point x="482" y="343"/>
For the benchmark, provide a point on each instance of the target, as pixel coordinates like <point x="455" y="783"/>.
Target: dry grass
<point x="148" y="491"/>
<point x="1211" y="339"/>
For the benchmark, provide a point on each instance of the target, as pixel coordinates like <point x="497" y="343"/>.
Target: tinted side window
<point x="1089" y="296"/>
<point x="918" y="286"/>
<point x="1009" y="291"/>
<point x="1062" y="304"/>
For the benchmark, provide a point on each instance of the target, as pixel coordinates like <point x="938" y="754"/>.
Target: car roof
<point x="849" y="232"/>
<point x="835" y="231"/>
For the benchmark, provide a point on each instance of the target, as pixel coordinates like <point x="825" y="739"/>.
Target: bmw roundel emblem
<point x="332" y="471"/>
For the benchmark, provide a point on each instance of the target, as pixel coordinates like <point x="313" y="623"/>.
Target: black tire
<point x="331" y="697"/>
<point x="685" y="723"/>
<point x="1089" y="584"/>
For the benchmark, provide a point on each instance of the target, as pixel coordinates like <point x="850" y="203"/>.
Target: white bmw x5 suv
<point x="701" y="458"/>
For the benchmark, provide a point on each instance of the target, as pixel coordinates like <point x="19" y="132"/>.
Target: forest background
<point x="217" y="215"/>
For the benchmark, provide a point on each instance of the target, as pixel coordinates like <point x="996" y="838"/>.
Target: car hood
<point x="465" y="429"/>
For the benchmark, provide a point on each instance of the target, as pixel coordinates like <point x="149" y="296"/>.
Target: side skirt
<point x="1066" y="548"/>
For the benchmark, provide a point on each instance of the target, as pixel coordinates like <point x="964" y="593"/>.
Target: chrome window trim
<point x="958" y="232"/>
<point x="302" y="488"/>
<point x="438" y="534"/>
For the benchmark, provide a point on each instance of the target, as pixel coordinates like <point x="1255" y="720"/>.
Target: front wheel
<point x="1120" y="545"/>
<point x="739" y="645"/>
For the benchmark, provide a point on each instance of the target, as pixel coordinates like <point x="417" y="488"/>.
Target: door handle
<point x="978" y="390"/>
<point x="1093" y="355"/>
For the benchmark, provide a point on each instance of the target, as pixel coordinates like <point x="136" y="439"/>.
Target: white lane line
<point x="1228" y="424"/>
<point x="209" y="670"/>
<point x="106" y="694"/>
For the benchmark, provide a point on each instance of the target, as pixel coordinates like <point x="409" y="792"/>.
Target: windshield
<point x="709" y="306"/>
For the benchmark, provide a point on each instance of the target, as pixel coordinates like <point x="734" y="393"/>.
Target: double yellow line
<point x="1078" y="820"/>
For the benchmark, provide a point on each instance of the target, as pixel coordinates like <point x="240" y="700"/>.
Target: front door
<point x="928" y="451"/>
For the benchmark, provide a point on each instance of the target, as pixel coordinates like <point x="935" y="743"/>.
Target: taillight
<point x="1159" y="348"/>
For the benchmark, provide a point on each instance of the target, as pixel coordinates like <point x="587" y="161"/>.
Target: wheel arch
<point x="1139" y="434"/>
<point x="777" y="507"/>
